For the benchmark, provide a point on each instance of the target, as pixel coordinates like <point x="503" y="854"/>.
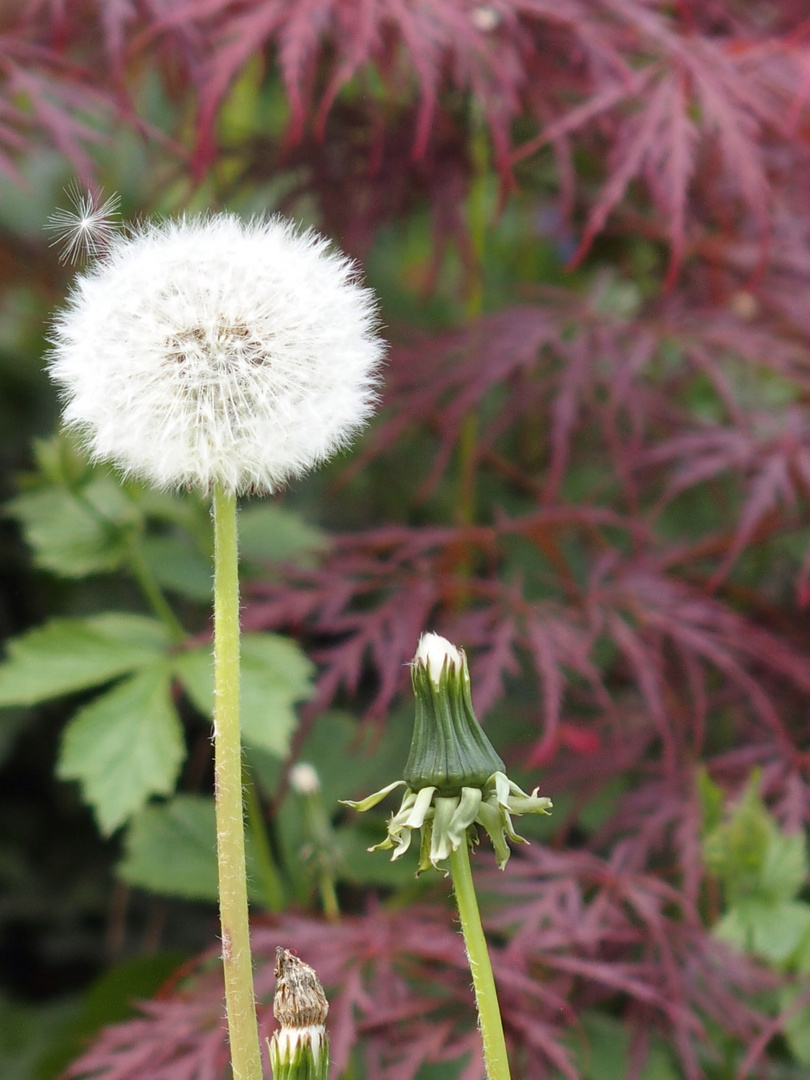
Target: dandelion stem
<point x="329" y="900"/>
<point x="233" y="906"/>
<point x="489" y="1014"/>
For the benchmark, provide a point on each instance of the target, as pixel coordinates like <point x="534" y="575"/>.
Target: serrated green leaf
<point x="75" y="534"/>
<point x="66" y="655"/>
<point x="797" y="1025"/>
<point x="736" y="850"/>
<point x="177" y="567"/>
<point x="735" y="929"/>
<point x="269" y="532"/>
<point x="60" y="461"/>
<point x="124" y="747"/>
<point x="785" y="868"/>
<point x="778" y="929"/>
<point x="275" y="676"/>
<point x="170" y="849"/>
<point x="195" y="670"/>
<point x="771" y="931"/>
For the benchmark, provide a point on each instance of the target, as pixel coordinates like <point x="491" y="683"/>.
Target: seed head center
<point x="210" y="352"/>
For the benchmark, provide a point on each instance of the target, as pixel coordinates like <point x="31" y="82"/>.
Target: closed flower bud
<point x="299" y="1048"/>
<point x="454" y="779"/>
<point x="449" y="750"/>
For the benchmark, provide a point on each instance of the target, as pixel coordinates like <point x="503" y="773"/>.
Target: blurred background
<point x="588" y="227"/>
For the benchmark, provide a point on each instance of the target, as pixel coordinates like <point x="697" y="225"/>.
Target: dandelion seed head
<point x="87" y="228"/>
<point x="211" y="350"/>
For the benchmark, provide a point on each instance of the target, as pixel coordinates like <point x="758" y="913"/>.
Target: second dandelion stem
<point x="233" y="904"/>
<point x="486" y="997"/>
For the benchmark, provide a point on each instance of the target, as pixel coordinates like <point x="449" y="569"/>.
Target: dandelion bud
<point x="212" y="351"/>
<point x="304" y="779"/>
<point x="449" y="750"/>
<point x="299" y="1048"/>
<point x="454" y="779"/>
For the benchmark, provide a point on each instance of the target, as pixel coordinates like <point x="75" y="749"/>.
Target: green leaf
<point x="785" y="867"/>
<point x="195" y="670"/>
<point x="77" y="533"/>
<point x="801" y="958"/>
<point x="604" y="1053"/>
<point x="735" y="929"/>
<point x="268" y="532"/>
<point x="772" y="931"/>
<point x="170" y="849"/>
<point x="362" y="867"/>
<point x="275" y="676"/>
<point x="27" y="1032"/>
<point x="178" y="567"/>
<point x="350" y="761"/>
<point x="736" y="850"/>
<point x="124" y="747"/>
<point x="779" y="929"/>
<point x="797" y="1026"/>
<point x="66" y="655"/>
<point x="711" y="801"/>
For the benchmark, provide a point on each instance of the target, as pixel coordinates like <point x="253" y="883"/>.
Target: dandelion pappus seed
<point x="209" y="350"/>
<point x="87" y="228"/>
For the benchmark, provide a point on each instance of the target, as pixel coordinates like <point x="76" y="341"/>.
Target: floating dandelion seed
<point x="87" y="228"/>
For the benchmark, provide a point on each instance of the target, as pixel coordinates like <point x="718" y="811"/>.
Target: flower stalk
<point x="454" y="780"/>
<point x="233" y="902"/>
<point x="227" y="356"/>
<point x="486" y="996"/>
<point x="320" y="853"/>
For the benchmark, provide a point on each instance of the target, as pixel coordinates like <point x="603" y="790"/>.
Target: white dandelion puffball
<point x="211" y="350"/>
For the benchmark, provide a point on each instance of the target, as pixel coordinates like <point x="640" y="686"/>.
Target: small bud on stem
<point x="299" y="1049"/>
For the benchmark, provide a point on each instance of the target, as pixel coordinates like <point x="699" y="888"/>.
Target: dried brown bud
<point x="300" y="1001"/>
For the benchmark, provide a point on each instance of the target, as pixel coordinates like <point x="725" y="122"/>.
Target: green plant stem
<point x="233" y="904"/>
<point x="152" y="591"/>
<point x="329" y="900"/>
<point x="486" y="997"/>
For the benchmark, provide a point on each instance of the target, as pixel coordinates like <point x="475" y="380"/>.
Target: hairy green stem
<point x="233" y="904"/>
<point x="486" y="998"/>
